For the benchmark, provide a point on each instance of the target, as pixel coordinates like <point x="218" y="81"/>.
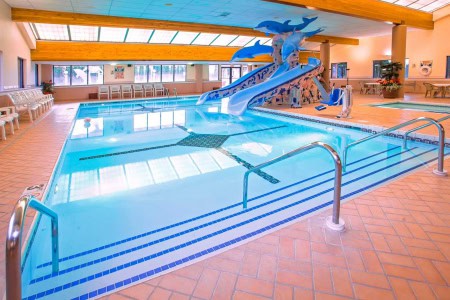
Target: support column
<point x="399" y="52"/>
<point x="199" y="78"/>
<point x="325" y="59"/>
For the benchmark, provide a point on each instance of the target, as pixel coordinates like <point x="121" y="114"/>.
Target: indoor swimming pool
<point x="145" y="187"/>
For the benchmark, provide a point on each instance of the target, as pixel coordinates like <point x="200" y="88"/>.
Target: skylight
<point x="138" y="35"/>
<point x="52" y="32"/>
<point x="424" y="5"/>
<point x="184" y="37"/>
<point x="162" y="36"/>
<point x="205" y="38"/>
<point x="112" y="34"/>
<point x="223" y="40"/>
<point x="83" y="33"/>
<point x="241" y="41"/>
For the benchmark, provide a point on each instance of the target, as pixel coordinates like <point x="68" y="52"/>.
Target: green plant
<point x="389" y="76"/>
<point x="47" y="87"/>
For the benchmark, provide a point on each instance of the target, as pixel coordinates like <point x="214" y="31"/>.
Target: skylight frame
<point x="415" y="4"/>
<point x="211" y="38"/>
<point x="241" y="41"/>
<point x="133" y="34"/>
<point x="93" y="35"/>
<point x="112" y="34"/>
<point x="45" y="31"/>
<point x="184" y="37"/>
<point x="162" y="36"/>
<point x="224" y="40"/>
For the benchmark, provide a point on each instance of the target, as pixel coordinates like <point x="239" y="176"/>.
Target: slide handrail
<point x="14" y="244"/>
<point x="421" y="119"/>
<point x="337" y="174"/>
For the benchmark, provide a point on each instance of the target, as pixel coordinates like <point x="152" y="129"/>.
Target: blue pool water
<point x="416" y="106"/>
<point x="143" y="188"/>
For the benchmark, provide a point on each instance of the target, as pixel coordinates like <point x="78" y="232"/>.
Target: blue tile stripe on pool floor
<point x="208" y="214"/>
<point x="100" y="274"/>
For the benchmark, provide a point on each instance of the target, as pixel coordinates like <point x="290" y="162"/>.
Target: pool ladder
<point x="440" y="169"/>
<point x="333" y="222"/>
<point x="14" y="244"/>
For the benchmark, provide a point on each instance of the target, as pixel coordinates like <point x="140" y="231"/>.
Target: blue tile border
<point x="211" y="213"/>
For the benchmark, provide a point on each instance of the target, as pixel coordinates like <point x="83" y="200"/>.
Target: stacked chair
<point x="32" y="102"/>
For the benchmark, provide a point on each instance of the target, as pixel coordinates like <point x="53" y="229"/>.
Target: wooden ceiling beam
<point x="65" y="18"/>
<point x="367" y="9"/>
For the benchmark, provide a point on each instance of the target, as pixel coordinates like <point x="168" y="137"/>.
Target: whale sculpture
<point x="292" y="43"/>
<point x="252" y="51"/>
<point x="278" y="28"/>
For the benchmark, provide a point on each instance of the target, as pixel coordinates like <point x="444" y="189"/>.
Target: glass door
<point x="235" y="73"/>
<point x="21" y="81"/>
<point x="226" y="76"/>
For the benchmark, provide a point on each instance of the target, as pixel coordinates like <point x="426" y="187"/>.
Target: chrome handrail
<point x="14" y="244"/>
<point x="337" y="174"/>
<point x="439" y="171"/>
<point x="421" y="127"/>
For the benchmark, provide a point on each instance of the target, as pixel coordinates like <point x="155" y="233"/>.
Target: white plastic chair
<point x="2" y="129"/>
<point x="159" y="88"/>
<point x="148" y="88"/>
<point x="103" y="90"/>
<point x="137" y="89"/>
<point x="22" y="104"/>
<point x="126" y="90"/>
<point x="6" y="117"/>
<point x="115" y="90"/>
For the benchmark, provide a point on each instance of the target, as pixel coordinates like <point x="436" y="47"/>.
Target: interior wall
<point x="13" y="46"/>
<point x="109" y="74"/>
<point x="420" y="45"/>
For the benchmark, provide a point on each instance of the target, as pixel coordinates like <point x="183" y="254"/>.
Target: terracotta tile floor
<point x="397" y="242"/>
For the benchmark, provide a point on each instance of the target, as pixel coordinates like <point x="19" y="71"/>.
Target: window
<point x="140" y="73"/>
<point x="95" y="75"/>
<point x="447" y="73"/>
<point x="154" y="73"/>
<point x="180" y="73"/>
<point x="339" y="70"/>
<point x="406" y="68"/>
<point x="21" y="65"/>
<point x="61" y="75"/>
<point x="377" y="67"/>
<point x="77" y="75"/>
<point x="213" y="72"/>
<point x="167" y="73"/>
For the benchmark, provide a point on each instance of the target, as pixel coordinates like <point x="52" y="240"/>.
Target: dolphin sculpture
<point x="278" y="28"/>
<point x="293" y="42"/>
<point x="252" y="51"/>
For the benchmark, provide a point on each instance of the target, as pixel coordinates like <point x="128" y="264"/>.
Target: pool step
<point x="277" y="208"/>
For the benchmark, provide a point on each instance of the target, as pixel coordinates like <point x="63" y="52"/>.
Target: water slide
<point x="258" y="94"/>
<point x="249" y="79"/>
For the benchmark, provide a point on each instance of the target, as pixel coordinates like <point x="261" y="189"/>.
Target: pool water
<point x="144" y="188"/>
<point x="416" y="106"/>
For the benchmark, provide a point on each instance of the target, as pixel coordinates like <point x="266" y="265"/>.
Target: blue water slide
<point x="258" y="94"/>
<point x="245" y="81"/>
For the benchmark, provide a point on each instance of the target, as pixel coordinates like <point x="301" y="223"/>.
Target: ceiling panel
<point x="227" y="12"/>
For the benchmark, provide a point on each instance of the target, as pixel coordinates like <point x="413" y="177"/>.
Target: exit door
<point x="230" y="74"/>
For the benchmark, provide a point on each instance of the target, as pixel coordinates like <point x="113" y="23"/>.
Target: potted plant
<point x="390" y="84"/>
<point x="47" y="87"/>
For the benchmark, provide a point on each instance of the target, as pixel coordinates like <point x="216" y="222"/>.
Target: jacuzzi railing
<point x="333" y="222"/>
<point x="439" y="171"/>
<point x="14" y="244"/>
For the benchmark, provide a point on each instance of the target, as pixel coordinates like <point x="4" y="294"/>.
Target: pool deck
<point x="396" y="244"/>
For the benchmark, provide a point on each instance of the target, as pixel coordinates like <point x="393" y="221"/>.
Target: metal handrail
<point x="14" y="244"/>
<point x="337" y="174"/>
<point x="440" y="170"/>
<point x="421" y="127"/>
